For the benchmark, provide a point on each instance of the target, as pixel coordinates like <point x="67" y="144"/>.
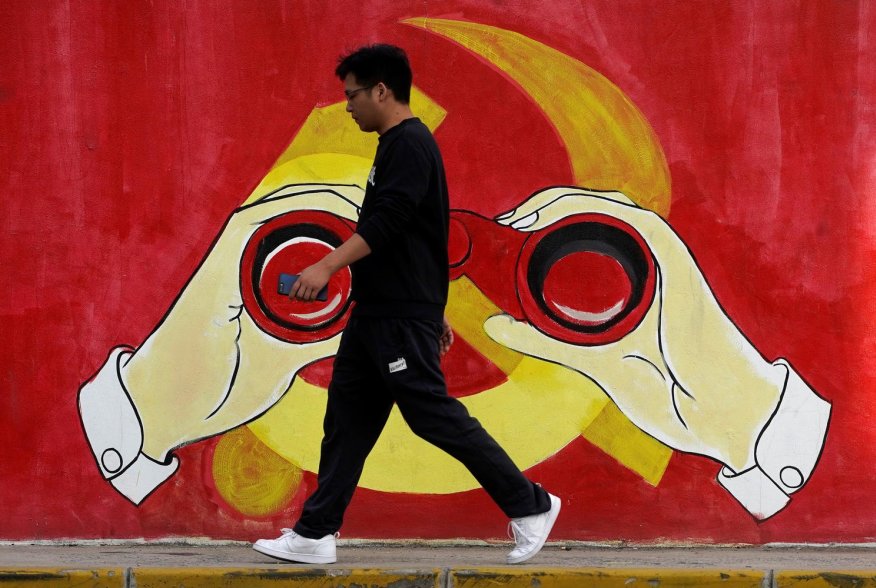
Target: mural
<point x="609" y="333"/>
<point x="606" y="291"/>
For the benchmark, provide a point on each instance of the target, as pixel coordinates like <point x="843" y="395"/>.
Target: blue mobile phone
<point x="285" y="286"/>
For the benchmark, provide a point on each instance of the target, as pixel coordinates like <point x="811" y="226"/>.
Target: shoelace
<point x="515" y="531"/>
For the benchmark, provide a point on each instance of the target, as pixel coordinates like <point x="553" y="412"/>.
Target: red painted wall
<point x="131" y="130"/>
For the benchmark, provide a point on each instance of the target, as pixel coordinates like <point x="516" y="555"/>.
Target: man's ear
<point x="382" y="91"/>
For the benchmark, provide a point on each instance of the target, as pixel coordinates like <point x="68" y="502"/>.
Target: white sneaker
<point x="530" y="533"/>
<point x="291" y="546"/>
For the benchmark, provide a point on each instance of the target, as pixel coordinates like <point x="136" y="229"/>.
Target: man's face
<point x="362" y="104"/>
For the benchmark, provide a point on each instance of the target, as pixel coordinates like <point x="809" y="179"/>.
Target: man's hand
<point x="310" y="281"/>
<point x="446" y="339"/>
<point x="314" y="278"/>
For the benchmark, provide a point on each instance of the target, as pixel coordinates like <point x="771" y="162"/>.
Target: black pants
<point x="364" y="387"/>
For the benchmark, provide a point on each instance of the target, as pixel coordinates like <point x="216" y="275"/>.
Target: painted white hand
<point x="207" y="367"/>
<point x="685" y="374"/>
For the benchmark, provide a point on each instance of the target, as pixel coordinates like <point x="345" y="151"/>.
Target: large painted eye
<point x="284" y="247"/>
<point x="587" y="280"/>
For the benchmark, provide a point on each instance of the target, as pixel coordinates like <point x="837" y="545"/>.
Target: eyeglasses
<point x="350" y="94"/>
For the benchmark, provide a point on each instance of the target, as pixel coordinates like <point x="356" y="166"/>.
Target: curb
<point x="604" y="578"/>
<point x="481" y="577"/>
<point x="59" y="577"/>
<point x="837" y="578"/>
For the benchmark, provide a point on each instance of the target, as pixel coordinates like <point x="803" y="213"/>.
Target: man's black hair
<point x="379" y="63"/>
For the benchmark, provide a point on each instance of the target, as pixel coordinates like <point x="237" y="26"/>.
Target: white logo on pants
<point x="397" y="365"/>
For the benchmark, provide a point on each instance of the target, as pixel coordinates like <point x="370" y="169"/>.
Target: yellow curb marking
<point x="61" y="577"/>
<point x="300" y="577"/>
<point x="604" y="578"/>
<point x="826" y="579"/>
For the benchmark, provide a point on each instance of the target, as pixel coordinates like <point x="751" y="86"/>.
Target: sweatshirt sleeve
<point x="400" y="185"/>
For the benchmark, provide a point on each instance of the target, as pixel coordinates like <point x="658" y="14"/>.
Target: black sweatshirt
<point x="404" y="220"/>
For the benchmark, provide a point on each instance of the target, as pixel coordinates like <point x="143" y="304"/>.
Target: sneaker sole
<point x="550" y="525"/>
<point x="295" y="557"/>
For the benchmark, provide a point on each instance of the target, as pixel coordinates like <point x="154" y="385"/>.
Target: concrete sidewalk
<point x="415" y="565"/>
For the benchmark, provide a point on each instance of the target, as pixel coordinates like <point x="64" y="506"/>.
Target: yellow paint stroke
<point x="466" y="313"/>
<point x="252" y="478"/>
<point x="617" y="436"/>
<point x="317" y="168"/>
<point x="329" y="130"/>
<point x="610" y="144"/>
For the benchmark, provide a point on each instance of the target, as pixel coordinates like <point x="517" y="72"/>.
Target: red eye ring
<point x="625" y="275"/>
<point x="288" y="244"/>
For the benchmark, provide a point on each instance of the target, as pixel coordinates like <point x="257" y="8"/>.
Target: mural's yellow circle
<point x="250" y="477"/>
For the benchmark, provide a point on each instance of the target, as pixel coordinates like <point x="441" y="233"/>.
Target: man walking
<point x="390" y="350"/>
